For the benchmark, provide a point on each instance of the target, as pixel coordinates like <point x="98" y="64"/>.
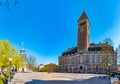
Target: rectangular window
<point x="100" y="59"/>
<point x="67" y="61"/>
<point x="111" y="59"/>
<point x="81" y="59"/>
<point x="84" y="59"/>
<point x="95" y="59"/>
<point x="90" y="60"/>
<point x="74" y="60"/>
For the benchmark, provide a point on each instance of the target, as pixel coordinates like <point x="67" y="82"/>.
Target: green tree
<point x="17" y="61"/>
<point x="50" y="68"/>
<point x="8" y="51"/>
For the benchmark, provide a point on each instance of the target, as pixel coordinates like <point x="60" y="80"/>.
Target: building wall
<point x="40" y="66"/>
<point x="83" y="32"/>
<point x="118" y="55"/>
<point x="25" y="67"/>
<point x="83" y="60"/>
<point x="87" y="63"/>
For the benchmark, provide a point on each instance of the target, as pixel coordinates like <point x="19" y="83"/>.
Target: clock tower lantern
<point x="83" y="32"/>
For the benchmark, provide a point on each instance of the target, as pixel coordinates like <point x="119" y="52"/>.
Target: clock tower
<point x="83" y="32"/>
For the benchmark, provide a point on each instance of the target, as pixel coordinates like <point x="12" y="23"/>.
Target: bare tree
<point x="31" y="61"/>
<point x="108" y="41"/>
<point x="6" y="4"/>
<point x="108" y="56"/>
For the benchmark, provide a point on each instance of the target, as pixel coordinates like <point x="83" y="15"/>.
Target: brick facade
<point x="86" y="57"/>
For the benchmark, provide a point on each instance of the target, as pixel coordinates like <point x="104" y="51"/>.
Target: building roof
<point x="100" y="47"/>
<point x="92" y="47"/>
<point x="83" y="16"/>
<point x="70" y="51"/>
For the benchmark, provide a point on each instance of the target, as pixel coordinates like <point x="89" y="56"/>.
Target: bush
<point x="114" y="73"/>
<point x="12" y="73"/>
<point x="2" y="79"/>
<point x="7" y="75"/>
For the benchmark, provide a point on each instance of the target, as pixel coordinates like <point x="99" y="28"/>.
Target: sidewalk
<point x="57" y="78"/>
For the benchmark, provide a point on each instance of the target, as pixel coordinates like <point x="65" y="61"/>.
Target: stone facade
<point x="86" y="57"/>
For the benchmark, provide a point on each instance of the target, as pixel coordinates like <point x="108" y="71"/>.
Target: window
<point x="81" y="67"/>
<point x="100" y="59"/>
<point x="111" y="59"/>
<point x="90" y="60"/>
<point x="74" y="60"/>
<point x="95" y="59"/>
<point x="81" y="59"/>
<point x="67" y="61"/>
<point x="82" y="24"/>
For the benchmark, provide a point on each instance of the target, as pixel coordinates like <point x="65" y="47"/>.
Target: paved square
<point x="57" y="78"/>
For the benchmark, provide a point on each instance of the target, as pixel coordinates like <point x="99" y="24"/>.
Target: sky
<point x="49" y="27"/>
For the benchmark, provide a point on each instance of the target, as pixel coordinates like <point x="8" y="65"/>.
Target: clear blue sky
<point x="48" y="27"/>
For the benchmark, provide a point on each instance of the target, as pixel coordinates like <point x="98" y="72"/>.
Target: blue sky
<point x="48" y="27"/>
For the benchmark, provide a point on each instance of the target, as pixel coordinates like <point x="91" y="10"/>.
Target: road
<point x="57" y="78"/>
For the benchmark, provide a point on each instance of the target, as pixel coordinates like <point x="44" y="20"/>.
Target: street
<point x="57" y="78"/>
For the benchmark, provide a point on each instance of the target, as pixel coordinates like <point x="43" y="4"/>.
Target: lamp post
<point x="109" y="68"/>
<point x="10" y="59"/>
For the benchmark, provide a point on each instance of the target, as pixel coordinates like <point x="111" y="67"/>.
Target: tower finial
<point x="22" y="45"/>
<point x="83" y="16"/>
<point x="85" y="10"/>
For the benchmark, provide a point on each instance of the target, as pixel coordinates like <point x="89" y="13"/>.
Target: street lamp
<point x="109" y="68"/>
<point x="10" y="59"/>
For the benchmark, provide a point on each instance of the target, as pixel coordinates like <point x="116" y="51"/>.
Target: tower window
<point x="82" y="24"/>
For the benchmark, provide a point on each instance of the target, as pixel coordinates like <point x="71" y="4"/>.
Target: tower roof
<point x="83" y="16"/>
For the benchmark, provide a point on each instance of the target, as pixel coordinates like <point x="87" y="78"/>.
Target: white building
<point x="24" y="57"/>
<point x="40" y="66"/>
<point x="118" y="56"/>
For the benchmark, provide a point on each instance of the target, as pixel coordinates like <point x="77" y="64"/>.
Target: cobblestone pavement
<point x="57" y="78"/>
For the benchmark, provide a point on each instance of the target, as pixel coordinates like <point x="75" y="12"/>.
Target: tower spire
<point x="85" y="10"/>
<point x="83" y="32"/>
<point x="84" y="15"/>
<point x="22" y="45"/>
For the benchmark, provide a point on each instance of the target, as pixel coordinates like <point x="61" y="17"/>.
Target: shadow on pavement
<point x="85" y="81"/>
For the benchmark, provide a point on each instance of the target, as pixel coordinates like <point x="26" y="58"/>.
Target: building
<point x="24" y="57"/>
<point x="118" y="59"/>
<point x="40" y="66"/>
<point x="86" y="57"/>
